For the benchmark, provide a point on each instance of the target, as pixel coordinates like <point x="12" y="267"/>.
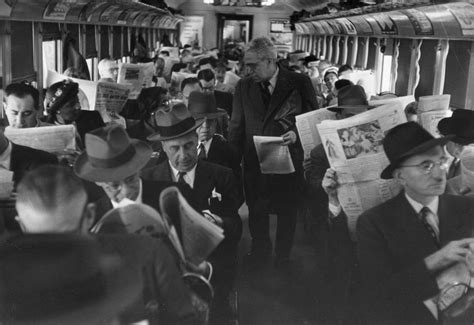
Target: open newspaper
<point x="137" y="75"/>
<point x="432" y="109"/>
<point x="6" y="183"/>
<point x="307" y="130"/>
<point x="193" y="236"/>
<point x="354" y="150"/>
<point x="54" y="139"/>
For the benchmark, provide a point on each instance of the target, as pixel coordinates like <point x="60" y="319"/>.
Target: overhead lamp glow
<point x="268" y="2"/>
<point x="210" y="2"/>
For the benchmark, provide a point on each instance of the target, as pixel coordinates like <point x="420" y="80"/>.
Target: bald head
<point x="51" y="199"/>
<point x="108" y="69"/>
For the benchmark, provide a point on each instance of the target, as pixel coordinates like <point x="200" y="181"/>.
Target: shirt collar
<point x="207" y="145"/>
<point x="188" y="178"/>
<point x="433" y="205"/>
<point x="273" y="79"/>
<point x="126" y="201"/>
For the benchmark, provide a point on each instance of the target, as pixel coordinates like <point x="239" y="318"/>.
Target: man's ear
<point x="399" y="176"/>
<point x="88" y="218"/>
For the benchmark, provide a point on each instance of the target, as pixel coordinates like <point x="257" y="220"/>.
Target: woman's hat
<point x="460" y="124"/>
<point x="59" y="94"/>
<point x="406" y="140"/>
<point x="174" y="123"/>
<point x="351" y="97"/>
<point x="63" y="279"/>
<point x="203" y="105"/>
<point x="111" y="155"/>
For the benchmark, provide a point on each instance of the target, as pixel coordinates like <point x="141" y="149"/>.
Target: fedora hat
<point x="63" y="279"/>
<point x="111" y="155"/>
<point x="203" y="105"/>
<point x="59" y="94"/>
<point x="406" y="140"/>
<point x="351" y="97"/>
<point x="174" y="123"/>
<point x="460" y="124"/>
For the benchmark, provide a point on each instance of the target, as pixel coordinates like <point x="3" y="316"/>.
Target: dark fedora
<point x="460" y="124"/>
<point x="63" y="279"/>
<point x="59" y="94"/>
<point x="111" y="155"/>
<point x="203" y="105"/>
<point x="351" y="97"/>
<point x="174" y="123"/>
<point x="406" y="140"/>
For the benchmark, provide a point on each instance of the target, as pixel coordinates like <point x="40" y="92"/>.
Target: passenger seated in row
<point x="215" y="191"/>
<point x="113" y="161"/>
<point x="404" y="243"/>
<point x="62" y="105"/>
<point x="207" y="78"/>
<point x="65" y="279"/>
<point x="52" y="200"/>
<point x="108" y="70"/>
<point x="22" y="106"/>
<point x="460" y="124"/>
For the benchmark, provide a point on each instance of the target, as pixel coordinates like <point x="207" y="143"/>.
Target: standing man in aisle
<point x="265" y="104"/>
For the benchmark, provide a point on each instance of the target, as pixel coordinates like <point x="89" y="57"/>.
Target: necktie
<point x="181" y="178"/>
<point x="266" y="95"/>
<point x="427" y="218"/>
<point x="453" y="169"/>
<point x="202" y="151"/>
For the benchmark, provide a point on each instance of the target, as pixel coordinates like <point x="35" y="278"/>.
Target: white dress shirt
<point x="188" y="177"/>
<point x="432" y="217"/>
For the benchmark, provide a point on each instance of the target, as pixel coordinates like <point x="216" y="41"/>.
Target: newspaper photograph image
<point x="354" y="147"/>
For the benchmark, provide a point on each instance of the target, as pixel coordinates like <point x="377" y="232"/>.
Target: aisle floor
<point x="270" y="296"/>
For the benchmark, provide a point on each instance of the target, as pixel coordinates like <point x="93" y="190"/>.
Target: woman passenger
<point x="62" y="105"/>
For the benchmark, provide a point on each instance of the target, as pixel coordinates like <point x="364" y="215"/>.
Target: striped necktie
<point x="427" y="218"/>
<point x="181" y="177"/>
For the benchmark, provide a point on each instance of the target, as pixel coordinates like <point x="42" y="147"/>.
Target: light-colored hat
<point x="174" y="123"/>
<point x="111" y="155"/>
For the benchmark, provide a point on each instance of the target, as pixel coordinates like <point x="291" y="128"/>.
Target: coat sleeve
<point x="309" y="98"/>
<point x="175" y="297"/>
<point x="382" y="281"/>
<point x="237" y="121"/>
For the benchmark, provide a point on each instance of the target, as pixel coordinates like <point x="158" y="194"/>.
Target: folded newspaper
<point x="354" y="149"/>
<point x="273" y="156"/>
<point x="432" y="109"/>
<point x="54" y="139"/>
<point x="193" y="236"/>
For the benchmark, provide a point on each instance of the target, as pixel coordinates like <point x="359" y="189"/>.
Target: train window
<point x="427" y="66"/>
<point x="22" y="66"/>
<point x="52" y="56"/>
<point x="457" y="72"/>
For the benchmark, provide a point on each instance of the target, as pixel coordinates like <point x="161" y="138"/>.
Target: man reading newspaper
<point x="406" y="242"/>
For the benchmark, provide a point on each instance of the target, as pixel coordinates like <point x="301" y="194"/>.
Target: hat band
<point x="178" y="128"/>
<point x="116" y="161"/>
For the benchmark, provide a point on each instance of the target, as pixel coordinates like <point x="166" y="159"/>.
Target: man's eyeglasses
<point x="427" y="166"/>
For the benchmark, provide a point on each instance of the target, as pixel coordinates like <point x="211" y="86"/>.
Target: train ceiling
<point x="107" y="12"/>
<point x="453" y="20"/>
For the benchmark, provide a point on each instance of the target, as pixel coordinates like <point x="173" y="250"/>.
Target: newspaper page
<point x="354" y="149"/>
<point x="273" y="156"/>
<point x="87" y="89"/>
<point x="404" y="101"/>
<point x="148" y="73"/>
<point x="198" y="236"/>
<point x="134" y="75"/>
<point x="54" y="139"/>
<point x="432" y="109"/>
<point x="110" y="97"/>
<point x="307" y="131"/>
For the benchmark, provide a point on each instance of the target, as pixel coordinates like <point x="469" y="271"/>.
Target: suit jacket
<point x="88" y="121"/>
<point x="392" y="244"/>
<point x="156" y="261"/>
<point x="221" y="152"/>
<point x="24" y="159"/>
<point x="314" y="172"/>
<point x="209" y="177"/>
<point x="294" y="95"/>
<point x="224" y="100"/>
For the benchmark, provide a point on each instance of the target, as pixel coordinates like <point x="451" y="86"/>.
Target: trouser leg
<point x="259" y="224"/>
<point x="285" y="234"/>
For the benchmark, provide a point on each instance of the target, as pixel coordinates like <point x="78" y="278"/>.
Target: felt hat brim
<point x="85" y="170"/>
<point x="208" y="115"/>
<point x="157" y="136"/>
<point x="388" y="171"/>
<point x="446" y="127"/>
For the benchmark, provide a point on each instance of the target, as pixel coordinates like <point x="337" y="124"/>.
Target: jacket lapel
<point x="202" y="181"/>
<point x="451" y="220"/>
<point x="255" y="94"/>
<point x="282" y="89"/>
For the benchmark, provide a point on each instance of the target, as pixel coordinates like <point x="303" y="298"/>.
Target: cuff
<point x="335" y="209"/>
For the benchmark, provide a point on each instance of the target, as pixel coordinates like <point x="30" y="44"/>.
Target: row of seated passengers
<point x="116" y="168"/>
